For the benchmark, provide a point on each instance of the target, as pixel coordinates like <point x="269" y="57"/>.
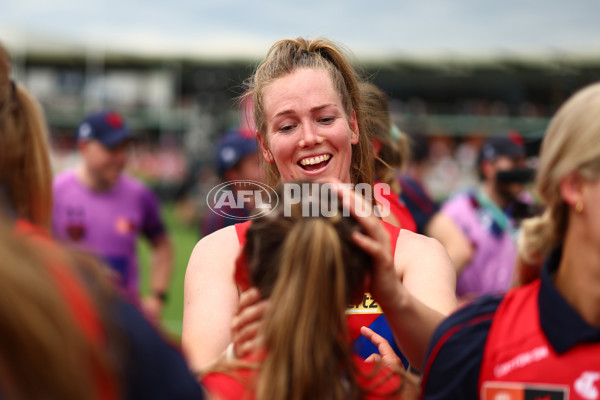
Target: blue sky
<point x="237" y="28"/>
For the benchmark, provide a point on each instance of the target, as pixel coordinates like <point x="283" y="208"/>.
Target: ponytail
<point x="25" y="169"/>
<point x="310" y="344"/>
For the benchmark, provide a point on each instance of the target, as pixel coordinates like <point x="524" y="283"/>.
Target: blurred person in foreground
<point x="489" y="216"/>
<point x="65" y="334"/>
<point x="236" y="159"/>
<point x="100" y="209"/>
<point x="540" y="340"/>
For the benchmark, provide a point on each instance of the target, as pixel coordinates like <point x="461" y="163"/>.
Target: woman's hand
<point x="246" y="325"/>
<point x="386" y="354"/>
<point x="385" y="285"/>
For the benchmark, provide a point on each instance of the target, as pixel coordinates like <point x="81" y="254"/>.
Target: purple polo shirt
<point x="495" y="249"/>
<point x="107" y="223"/>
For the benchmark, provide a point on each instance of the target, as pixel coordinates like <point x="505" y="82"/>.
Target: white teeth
<point x="315" y="160"/>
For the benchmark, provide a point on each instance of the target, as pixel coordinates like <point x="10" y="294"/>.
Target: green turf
<point x="184" y="239"/>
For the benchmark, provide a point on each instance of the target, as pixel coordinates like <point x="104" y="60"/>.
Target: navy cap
<point x="232" y="147"/>
<point x="510" y="145"/>
<point x="107" y="127"/>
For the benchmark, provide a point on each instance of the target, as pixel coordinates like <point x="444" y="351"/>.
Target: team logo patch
<point x="587" y="385"/>
<point x="124" y="226"/>
<point x="368" y="305"/>
<point x="76" y="231"/>
<point x="523" y="391"/>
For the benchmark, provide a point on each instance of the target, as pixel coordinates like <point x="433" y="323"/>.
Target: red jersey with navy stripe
<point x="520" y="362"/>
<point x="529" y="344"/>
<point x="367" y="313"/>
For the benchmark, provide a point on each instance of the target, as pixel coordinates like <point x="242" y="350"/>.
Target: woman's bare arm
<point x="426" y="271"/>
<point x="444" y="229"/>
<point x="210" y="298"/>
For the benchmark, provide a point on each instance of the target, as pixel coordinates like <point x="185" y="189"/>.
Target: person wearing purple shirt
<point x="100" y="209"/>
<point x="489" y="215"/>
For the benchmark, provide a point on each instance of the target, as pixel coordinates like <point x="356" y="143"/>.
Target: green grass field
<point x="184" y="239"/>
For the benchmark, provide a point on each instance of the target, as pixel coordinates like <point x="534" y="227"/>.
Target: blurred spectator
<point x="101" y="209"/>
<point x="65" y="335"/>
<point x="425" y="210"/>
<point x="391" y="150"/>
<point x="489" y="214"/>
<point x="236" y="159"/>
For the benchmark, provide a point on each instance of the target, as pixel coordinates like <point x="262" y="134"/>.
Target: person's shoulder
<point x="456" y="350"/>
<point x="221" y="240"/>
<point x="133" y="183"/>
<point x="64" y="178"/>
<point x="459" y="197"/>
<point x="478" y="311"/>
<point x="459" y="203"/>
<point x="412" y="242"/>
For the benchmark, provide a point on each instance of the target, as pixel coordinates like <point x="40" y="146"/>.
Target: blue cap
<point x="107" y="127"/>
<point x="231" y="148"/>
<point x="508" y="145"/>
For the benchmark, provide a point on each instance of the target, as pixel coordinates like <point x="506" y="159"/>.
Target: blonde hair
<point x="310" y="268"/>
<point x="25" y="171"/>
<point x="394" y="153"/>
<point x="570" y="145"/>
<point x="43" y="351"/>
<point x="288" y="55"/>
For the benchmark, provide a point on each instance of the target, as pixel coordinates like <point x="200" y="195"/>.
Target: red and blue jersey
<point x="528" y="344"/>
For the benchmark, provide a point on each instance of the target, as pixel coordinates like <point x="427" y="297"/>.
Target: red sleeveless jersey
<point x="399" y="210"/>
<point x="520" y="363"/>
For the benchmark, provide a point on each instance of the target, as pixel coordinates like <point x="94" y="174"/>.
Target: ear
<point x="353" y="123"/>
<point x="488" y="170"/>
<point x="264" y="148"/>
<point x="81" y="145"/>
<point x="571" y="189"/>
<point x="376" y="146"/>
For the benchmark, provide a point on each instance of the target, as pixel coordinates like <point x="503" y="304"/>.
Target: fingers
<point x="360" y="209"/>
<point x="246" y="323"/>
<point x="248" y="298"/>
<point x="373" y="358"/>
<point x="386" y="352"/>
<point x="375" y="338"/>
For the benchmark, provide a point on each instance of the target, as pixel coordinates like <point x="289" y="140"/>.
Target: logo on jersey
<point x="124" y="226"/>
<point x="523" y="391"/>
<point x="587" y="385"/>
<point x="368" y="305"/>
<point x="521" y="360"/>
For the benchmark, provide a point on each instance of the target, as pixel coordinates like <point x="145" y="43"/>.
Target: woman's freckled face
<point x="308" y="133"/>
